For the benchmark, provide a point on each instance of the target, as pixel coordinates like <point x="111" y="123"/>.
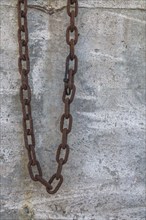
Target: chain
<point x="67" y="97"/>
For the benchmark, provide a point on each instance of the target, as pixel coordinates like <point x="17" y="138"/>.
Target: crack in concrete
<point x="49" y="11"/>
<point x="52" y="10"/>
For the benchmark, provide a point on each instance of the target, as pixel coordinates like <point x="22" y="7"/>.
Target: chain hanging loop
<point x="67" y="97"/>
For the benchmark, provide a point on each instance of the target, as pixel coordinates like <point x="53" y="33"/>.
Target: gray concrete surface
<point x="104" y="178"/>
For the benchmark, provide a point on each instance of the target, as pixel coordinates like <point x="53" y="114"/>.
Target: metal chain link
<point x="67" y="97"/>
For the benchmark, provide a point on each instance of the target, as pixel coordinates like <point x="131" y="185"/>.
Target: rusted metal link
<point x="23" y="61"/>
<point x="69" y="3"/>
<point x="64" y="138"/>
<point x="68" y="86"/>
<point x="26" y="109"/>
<point x="59" y="168"/>
<point x="72" y="50"/>
<point x="24" y="79"/>
<point x="31" y="139"/>
<point x="72" y="95"/>
<point x="69" y="30"/>
<point x="71" y="79"/>
<point x="72" y="18"/>
<point x="68" y="60"/>
<point x="66" y="154"/>
<point x="32" y="175"/>
<point x="25" y="92"/>
<point x="63" y="118"/>
<point x="32" y="155"/>
<point x="67" y="108"/>
<point x="28" y="124"/>
<point x="57" y="186"/>
<point x="22" y="35"/>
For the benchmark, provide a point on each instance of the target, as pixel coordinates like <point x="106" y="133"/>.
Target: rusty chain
<point x="67" y="97"/>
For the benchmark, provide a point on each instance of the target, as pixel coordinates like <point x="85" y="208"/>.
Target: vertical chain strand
<point x="25" y="91"/>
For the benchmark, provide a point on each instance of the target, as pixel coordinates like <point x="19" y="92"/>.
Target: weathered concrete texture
<point x="104" y="178"/>
<point x="134" y="4"/>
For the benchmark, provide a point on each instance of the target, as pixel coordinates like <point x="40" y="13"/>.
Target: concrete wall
<point x="104" y="178"/>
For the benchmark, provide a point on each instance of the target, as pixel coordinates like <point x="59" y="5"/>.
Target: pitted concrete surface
<point x="104" y="178"/>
